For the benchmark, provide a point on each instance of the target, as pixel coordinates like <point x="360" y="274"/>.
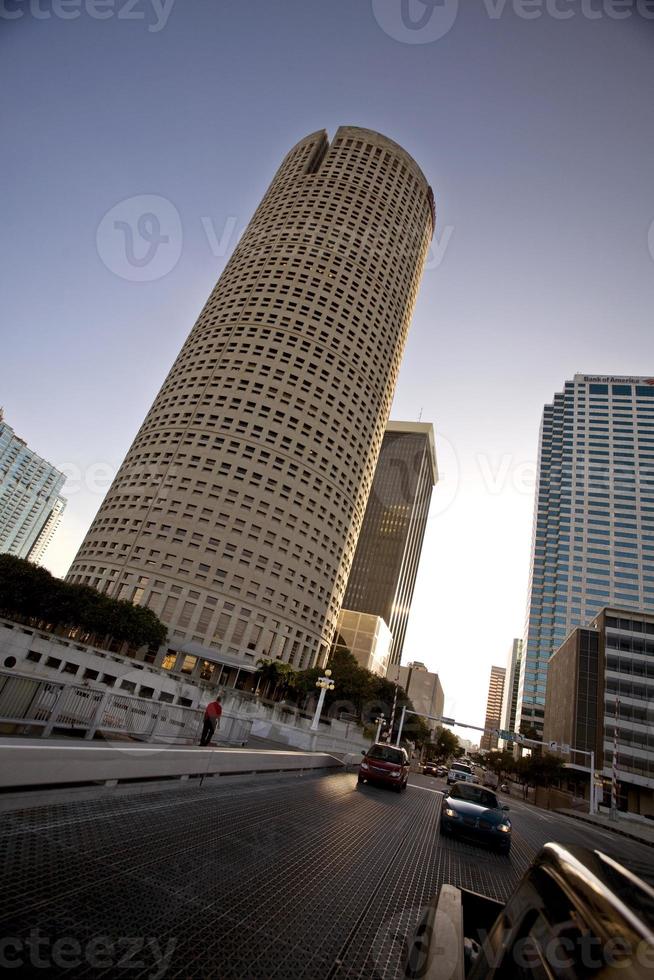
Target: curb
<point x="601" y="826"/>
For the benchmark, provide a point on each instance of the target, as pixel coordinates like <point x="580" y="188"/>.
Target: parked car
<point x="384" y="764"/>
<point x="442" y="771"/>
<point x="575" y="913"/>
<point x="430" y="769"/>
<point x="459" y="771"/>
<point x="476" y="813"/>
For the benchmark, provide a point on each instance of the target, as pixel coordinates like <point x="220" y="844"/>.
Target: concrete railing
<point x="30" y="762"/>
<point x="32" y="705"/>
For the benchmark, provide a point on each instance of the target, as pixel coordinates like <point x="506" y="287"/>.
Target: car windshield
<point x="386" y="754"/>
<point x="461" y="767"/>
<point x="474" y="794"/>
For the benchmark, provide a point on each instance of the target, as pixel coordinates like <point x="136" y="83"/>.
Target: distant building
<point x="30" y="502"/>
<point x="422" y="686"/>
<point x="593" y="521"/>
<point x="385" y="565"/>
<point x="487" y="741"/>
<point x="601" y="680"/>
<point x="510" y="695"/>
<point x="367" y="637"/>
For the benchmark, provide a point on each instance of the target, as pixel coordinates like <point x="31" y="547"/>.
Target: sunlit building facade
<point x="31" y="504"/>
<point x="488" y="740"/>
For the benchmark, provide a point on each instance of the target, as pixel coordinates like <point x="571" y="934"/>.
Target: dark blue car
<point x="475" y="812"/>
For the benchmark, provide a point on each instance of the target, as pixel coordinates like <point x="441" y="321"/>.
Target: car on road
<point x="442" y="771"/>
<point x="476" y="813"/>
<point x="459" y="771"/>
<point x="430" y="769"/>
<point x="387" y="765"/>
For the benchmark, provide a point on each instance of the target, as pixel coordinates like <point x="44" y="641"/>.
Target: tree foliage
<point x="32" y="594"/>
<point x="274" y="677"/>
<point x="360" y="692"/>
<point x="445" y="745"/>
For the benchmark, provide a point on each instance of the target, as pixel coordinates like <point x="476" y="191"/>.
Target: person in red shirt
<point x="212" y="715"/>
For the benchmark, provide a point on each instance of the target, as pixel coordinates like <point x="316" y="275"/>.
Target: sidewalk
<point x="626" y="828"/>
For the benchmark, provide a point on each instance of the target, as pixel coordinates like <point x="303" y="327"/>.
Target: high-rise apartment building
<point x="488" y="741"/>
<point x="237" y="509"/>
<point x="600" y="692"/>
<point x="593" y="541"/>
<point x="383" y="573"/>
<point x="30" y="501"/>
<point x="511" y="685"/>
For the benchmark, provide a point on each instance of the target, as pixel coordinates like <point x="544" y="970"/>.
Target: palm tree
<point x="267" y="675"/>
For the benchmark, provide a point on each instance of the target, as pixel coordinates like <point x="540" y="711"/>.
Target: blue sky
<point x="537" y="136"/>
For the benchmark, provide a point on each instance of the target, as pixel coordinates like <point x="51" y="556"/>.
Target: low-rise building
<point x="367" y="637"/>
<point x="600" y="692"/>
<point x="422" y="686"/>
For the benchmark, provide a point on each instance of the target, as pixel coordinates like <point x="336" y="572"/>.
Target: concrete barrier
<point x="32" y="762"/>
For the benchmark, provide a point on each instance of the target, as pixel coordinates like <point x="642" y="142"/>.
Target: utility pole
<point x="392" y="721"/>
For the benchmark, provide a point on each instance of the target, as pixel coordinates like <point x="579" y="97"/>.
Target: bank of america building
<point x="593" y="543"/>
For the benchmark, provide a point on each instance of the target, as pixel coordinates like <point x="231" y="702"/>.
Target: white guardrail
<point x="31" y="704"/>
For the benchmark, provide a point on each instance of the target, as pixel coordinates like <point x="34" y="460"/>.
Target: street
<point x="249" y="877"/>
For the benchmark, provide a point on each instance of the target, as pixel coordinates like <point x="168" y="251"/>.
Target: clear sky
<point x="537" y="134"/>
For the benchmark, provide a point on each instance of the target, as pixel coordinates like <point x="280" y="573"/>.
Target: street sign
<point x="565" y="749"/>
<point x="448" y="721"/>
<point x="554" y="745"/>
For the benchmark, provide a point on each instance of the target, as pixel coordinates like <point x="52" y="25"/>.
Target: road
<point x="271" y="877"/>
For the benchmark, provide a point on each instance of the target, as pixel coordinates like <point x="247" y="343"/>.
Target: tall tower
<point x="593" y="542"/>
<point x="236" y="511"/>
<point x="488" y="741"/>
<point x="511" y="684"/>
<point x="386" y="560"/>
<point x="30" y="501"/>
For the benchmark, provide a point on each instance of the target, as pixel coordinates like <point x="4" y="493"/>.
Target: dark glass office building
<point x="385" y="565"/>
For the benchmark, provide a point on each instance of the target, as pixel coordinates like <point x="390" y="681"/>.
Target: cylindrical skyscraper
<point x="236" y="511"/>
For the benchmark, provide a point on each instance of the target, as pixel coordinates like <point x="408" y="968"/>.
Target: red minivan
<point x="385" y="764"/>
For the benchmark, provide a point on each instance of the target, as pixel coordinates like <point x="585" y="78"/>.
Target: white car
<point x="460" y="772"/>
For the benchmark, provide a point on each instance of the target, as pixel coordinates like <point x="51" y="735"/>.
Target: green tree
<point x="444" y="746"/>
<point x="500" y="763"/>
<point x="31" y="594"/>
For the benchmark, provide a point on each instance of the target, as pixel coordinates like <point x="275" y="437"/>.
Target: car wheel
<point x="443" y="830"/>
<point x="398" y="789"/>
<point x="506" y="849"/>
<point x="359" y="781"/>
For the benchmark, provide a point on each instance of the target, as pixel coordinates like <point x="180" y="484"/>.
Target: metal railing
<point x="31" y="703"/>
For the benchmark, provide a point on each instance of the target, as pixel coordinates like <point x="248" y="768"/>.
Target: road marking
<point x="427" y="789"/>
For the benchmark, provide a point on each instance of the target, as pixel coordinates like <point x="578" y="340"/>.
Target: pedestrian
<point x="212" y="714"/>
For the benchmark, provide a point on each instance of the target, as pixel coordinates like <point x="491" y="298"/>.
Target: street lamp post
<point x="380" y="721"/>
<point x="325" y="684"/>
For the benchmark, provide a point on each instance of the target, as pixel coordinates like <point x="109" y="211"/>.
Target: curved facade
<point x="236" y="511"/>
